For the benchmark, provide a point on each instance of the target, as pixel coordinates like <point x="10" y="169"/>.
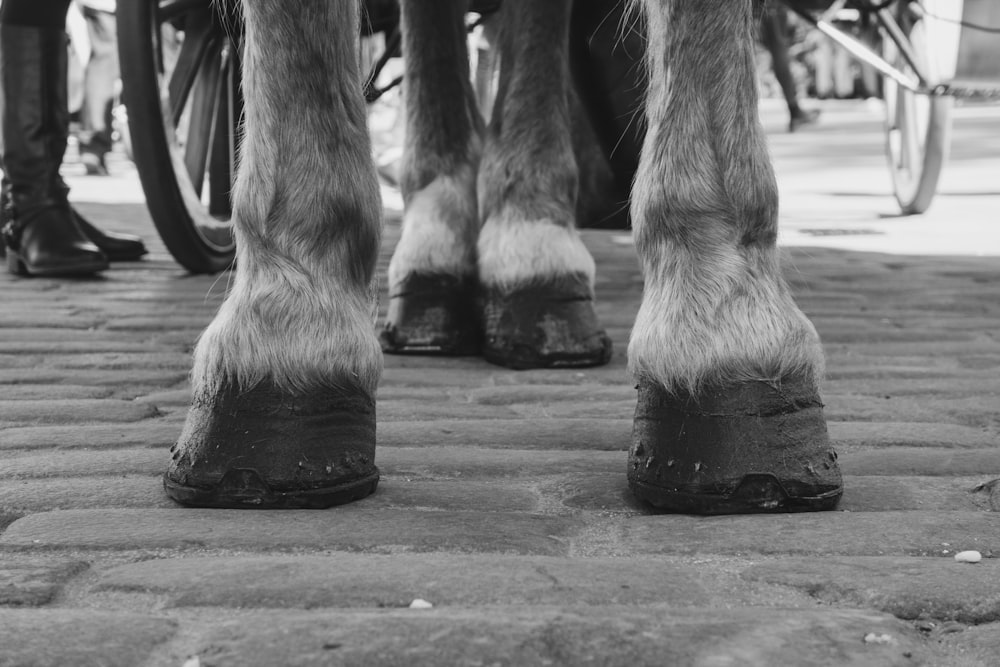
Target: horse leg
<point x="536" y="276"/>
<point x="283" y="413"/>
<point x="432" y="274"/>
<point x="728" y="416"/>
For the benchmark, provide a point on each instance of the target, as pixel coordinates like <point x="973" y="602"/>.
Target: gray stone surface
<point x="30" y="582"/>
<point x="84" y="638"/>
<point x="918" y="532"/>
<point x="546" y="434"/>
<point x="446" y="580"/>
<point x="352" y="528"/>
<point x="908" y="588"/>
<point x="601" y="635"/>
<point x="74" y="411"/>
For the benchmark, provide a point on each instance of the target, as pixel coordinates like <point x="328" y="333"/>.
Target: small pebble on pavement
<point x="968" y="556"/>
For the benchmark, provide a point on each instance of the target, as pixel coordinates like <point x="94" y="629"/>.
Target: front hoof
<point x="269" y="449"/>
<point x="544" y="325"/>
<point x="741" y="449"/>
<point x="432" y="314"/>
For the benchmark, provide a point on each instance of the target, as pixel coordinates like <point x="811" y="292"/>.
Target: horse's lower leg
<point x="432" y="275"/>
<point x="729" y="418"/>
<point x="536" y="275"/>
<point x="284" y="378"/>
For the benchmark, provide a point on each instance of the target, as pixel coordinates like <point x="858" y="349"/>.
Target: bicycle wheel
<point x="918" y="126"/>
<point x="181" y="86"/>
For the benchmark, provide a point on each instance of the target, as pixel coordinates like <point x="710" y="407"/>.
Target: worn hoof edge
<point x="544" y="325"/>
<point x="243" y="488"/>
<point x="432" y="314"/>
<point x="754" y="447"/>
<point x="265" y="448"/>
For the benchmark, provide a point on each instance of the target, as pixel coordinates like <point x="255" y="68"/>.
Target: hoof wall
<point x="242" y="488"/>
<point x="266" y="448"/>
<point x="434" y="315"/>
<point x="549" y="325"/>
<point x="742" y="449"/>
<point x="757" y="493"/>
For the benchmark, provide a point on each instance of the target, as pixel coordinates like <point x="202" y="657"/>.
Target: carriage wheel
<point x="918" y="126"/>
<point x="182" y="75"/>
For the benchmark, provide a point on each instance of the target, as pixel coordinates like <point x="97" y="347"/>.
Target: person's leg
<point x="823" y="63"/>
<point x="39" y="232"/>
<point x="99" y="85"/>
<point x="772" y="35"/>
<point x="45" y="234"/>
<point x="843" y="73"/>
<point x="34" y="13"/>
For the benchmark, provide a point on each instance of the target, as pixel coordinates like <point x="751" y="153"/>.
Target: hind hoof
<point x="742" y="449"/>
<point x="265" y="448"/>
<point x="546" y="325"/>
<point x="432" y="314"/>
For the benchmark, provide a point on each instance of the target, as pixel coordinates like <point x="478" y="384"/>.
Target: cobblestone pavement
<point x="504" y="502"/>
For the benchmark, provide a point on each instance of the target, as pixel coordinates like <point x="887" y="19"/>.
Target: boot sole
<point x="19" y="267"/>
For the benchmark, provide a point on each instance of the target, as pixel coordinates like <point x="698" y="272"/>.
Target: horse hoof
<point x="266" y="448"/>
<point x="545" y="325"/>
<point x="432" y="314"/>
<point x="747" y="448"/>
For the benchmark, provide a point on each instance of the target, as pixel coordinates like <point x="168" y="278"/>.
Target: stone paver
<point x="30" y="582"/>
<point x="503" y="499"/>
<point x="355" y="528"/>
<point x="908" y="588"/>
<point x="605" y="635"/>
<point x="446" y="580"/>
<point x="59" y="637"/>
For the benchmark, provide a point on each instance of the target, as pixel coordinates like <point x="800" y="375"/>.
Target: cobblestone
<point x="908" y="588"/>
<point x="572" y="636"/>
<point x="447" y="580"/>
<point x="59" y="637"/>
<point x="31" y="582"/>
<point x="356" y="528"/>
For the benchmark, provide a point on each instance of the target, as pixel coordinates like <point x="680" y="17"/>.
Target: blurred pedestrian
<point x="773" y="35"/>
<point x="100" y="73"/>
<point x="42" y="234"/>
<point x="834" y="66"/>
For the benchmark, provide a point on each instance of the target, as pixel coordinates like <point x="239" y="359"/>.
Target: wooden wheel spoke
<point x="200" y="41"/>
<point x="201" y="124"/>
<point x="222" y="165"/>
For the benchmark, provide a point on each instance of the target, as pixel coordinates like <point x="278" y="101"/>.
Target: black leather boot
<point x="118" y="247"/>
<point x="40" y="233"/>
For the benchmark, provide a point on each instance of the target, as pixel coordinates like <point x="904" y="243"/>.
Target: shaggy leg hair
<point x="536" y="276"/>
<point x="529" y="179"/>
<point x="715" y="309"/>
<point x="443" y="144"/>
<point x="283" y="411"/>
<point x="728" y="418"/>
<point x="306" y="209"/>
